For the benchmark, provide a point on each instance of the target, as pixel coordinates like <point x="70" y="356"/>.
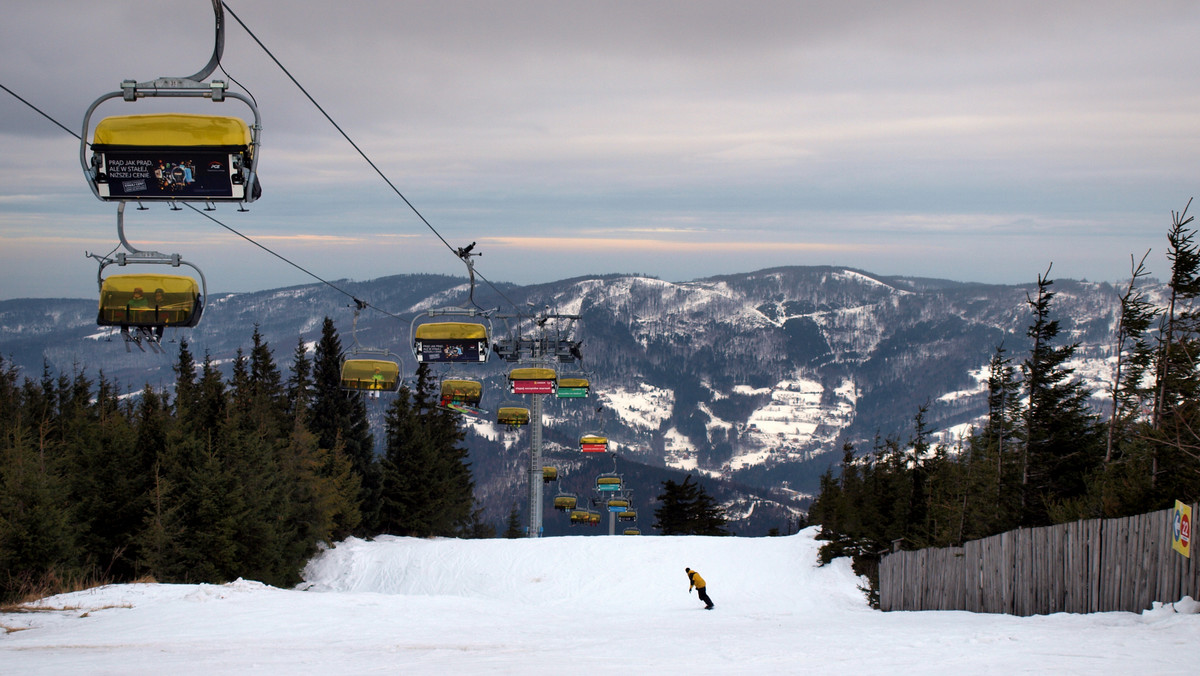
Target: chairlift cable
<point x="359" y="303"/>
<point x="360" y="151"/>
<point x="39" y="111"/>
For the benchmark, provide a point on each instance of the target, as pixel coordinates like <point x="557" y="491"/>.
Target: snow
<point x="645" y="409"/>
<point x="569" y="605"/>
<point x="680" y="452"/>
<point x="794" y="423"/>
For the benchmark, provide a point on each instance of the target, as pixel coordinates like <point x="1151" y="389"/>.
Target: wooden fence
<point x="1083" y="567"/>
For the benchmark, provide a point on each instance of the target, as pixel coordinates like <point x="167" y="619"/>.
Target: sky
<point x="967" y="140"/>
<point x="570" y="605"/>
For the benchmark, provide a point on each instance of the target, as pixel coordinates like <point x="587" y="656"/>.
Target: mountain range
<point x="751" y="381"/>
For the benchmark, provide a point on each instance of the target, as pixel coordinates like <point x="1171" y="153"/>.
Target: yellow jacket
<point x="697" y="581"/>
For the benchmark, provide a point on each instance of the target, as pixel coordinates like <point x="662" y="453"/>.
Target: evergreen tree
<point x="1128" y="393"/>
<point x="1063" y="442"/>
<point x="513" y="528"/>
<point x="37" y="529"/>
<point x="299" y="384"/>
<point x="339" y="420"/>
<point x="427" y="485"/>
<point x="688" y="509"/>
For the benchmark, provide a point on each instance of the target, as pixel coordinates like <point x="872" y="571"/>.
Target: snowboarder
<point x="698" y="582"/>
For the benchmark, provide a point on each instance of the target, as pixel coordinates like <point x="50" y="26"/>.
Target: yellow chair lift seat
<point x="132" y="300"/>
<point x="532" y="373"/>
<point x="532" y="380"/>
<point x="450" y="342"/>
<point x="608" y="483"/>
<point x="462" y="391"/>
<point x="513" y="416"/>
<point x="173" y="156"/>
<point x="377" y="375"/>
<point x="565" y="503"/>
<point x="172" y="130"/>
<point x="549" y="474"/>
<point x="618" y="505"/>
<point x="593" y="443"/>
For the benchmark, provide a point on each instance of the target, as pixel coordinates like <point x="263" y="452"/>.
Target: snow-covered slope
<point x="568" y="605"/>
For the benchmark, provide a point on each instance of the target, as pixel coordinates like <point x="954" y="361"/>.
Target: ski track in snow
<point x="574" y="605"/>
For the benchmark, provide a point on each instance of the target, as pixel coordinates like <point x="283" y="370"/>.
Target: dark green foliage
<point x="1063" y="438"/>
<point x="339" y="420"/>
<point x="514" y="529"/>
<point x="229" y="480"/>
<point x="427" y="488"/>
<point x="687" y="509"/>
<point x="1174" y="433"/>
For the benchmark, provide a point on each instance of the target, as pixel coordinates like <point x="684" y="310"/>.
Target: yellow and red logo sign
<point x="1181" y="529"/>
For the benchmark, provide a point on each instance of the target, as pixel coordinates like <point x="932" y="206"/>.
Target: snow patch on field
<point x="796" y="422"/>
<point x="645" y="408"/>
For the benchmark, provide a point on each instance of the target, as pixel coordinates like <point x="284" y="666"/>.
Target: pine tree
<point x="1128" y="393"/>
<point x="688" y="509"/>
<point x="427" y="487"/>
<point x="339" y="420"/>
<point x="299" y="384"/>
<point x="37" y="529"/>
<point x="1175" y="460"/>
<point x="513" y="528"/>
<point x="1063" y="442"/>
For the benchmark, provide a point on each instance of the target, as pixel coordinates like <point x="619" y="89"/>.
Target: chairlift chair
<point x="370" y="375"/>
<point x="565" y="502"/>
<point x="593" y="443"/>
<point x="608" y="482"/>
<point x="368" y="369"/>
<point x="513" y="415"/>
<point x="618" y="504"/>
<point x="573" y="387"/>
<point x="532" y="380"/>
<point x="178" y="156"/>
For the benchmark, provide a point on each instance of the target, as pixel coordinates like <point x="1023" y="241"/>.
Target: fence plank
<point x="1093" y="565"/>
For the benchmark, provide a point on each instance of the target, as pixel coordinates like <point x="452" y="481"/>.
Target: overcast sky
<point x="976" y="141"/>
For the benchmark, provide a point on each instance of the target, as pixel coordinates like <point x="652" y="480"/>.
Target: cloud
<point x="588" y="245"/>
<point x="741" y="134"/>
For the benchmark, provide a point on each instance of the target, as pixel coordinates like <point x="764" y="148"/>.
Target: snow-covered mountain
<point x="752" y="378"/>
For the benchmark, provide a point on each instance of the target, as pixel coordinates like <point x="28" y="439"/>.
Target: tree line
<point x="226" y="478"/>
<point x="1043" y="455"/>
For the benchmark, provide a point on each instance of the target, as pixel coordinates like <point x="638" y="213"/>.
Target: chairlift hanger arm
<point x="191" y="86"/>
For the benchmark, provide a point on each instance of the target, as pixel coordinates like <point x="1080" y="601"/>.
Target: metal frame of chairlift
<point x="135" y="256"/>
<point x="540" y="350"/>
<point x="383" y="353"/>
<point x="465" y="254"/>
<point x="191" y="86"/>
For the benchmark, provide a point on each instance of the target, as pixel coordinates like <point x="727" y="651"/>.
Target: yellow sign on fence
<point x="1181" y="529"/>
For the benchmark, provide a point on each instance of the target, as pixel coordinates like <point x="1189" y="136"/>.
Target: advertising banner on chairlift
<point x="166" y="174"/>
<point x="532" y="386"/>
<point x="449" y="350"/>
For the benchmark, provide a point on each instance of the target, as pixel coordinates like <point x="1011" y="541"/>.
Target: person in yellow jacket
<point x="698" y="582"/>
